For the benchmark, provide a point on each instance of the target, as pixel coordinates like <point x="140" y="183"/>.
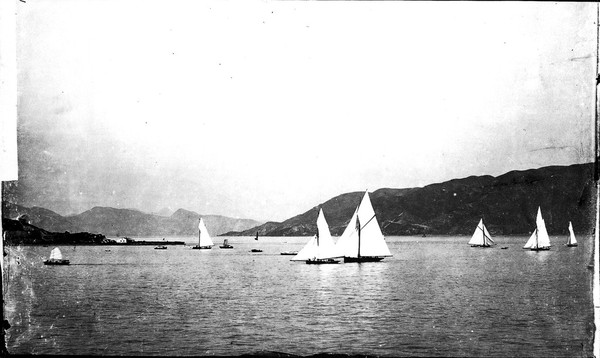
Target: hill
<point x="508" y="204"/>
<point x="20" y="232"/>
<point x="126" y="222"/>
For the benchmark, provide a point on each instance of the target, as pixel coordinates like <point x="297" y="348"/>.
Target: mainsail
<point x="539" y="239"/>
<point x="320" y="246"/>
<point x="572" y="240"/>
<point x="55" y="254"/>
<point x="362" y="236"/>
<point x="481" y="236"/>
<point x="203" y="236"/>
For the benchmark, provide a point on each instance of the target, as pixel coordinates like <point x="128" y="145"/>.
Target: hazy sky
<point x="265" y="109"/>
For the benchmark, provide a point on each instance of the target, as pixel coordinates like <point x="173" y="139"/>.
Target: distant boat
<point x="539" y="239"/>
<point x="320" y="249"/>
<point x="160" y="247"/>
<point x="481" y="236"/>
<point x="204" y="240"/>
<point x="256" y="250"/>
<point x="256" y="238"/>
<point x="362" y="240"/>
<point x="226" y="244"/>
<point x="56" y="258"/>
<point x="289" y="253"/>
<point x="571" y="241"/>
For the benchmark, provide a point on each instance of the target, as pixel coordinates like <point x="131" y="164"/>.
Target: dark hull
<point x="289" y="253"/>
<point x="160" y="248"/>
<point x="202" y="247"/>
<point x="363" y="259"/>
<point x="226" y="247"/>
<point x="483" y="246"/>
<point x="571" y="245"/>
<point x="56" y="262"/>
<point x="255" y="250"/>
<point x="321" y="262"/>
<point x="540" y="249"/>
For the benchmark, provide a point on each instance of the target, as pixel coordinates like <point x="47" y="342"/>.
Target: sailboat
<point x="362" y="240"/>
<point x="204" y="240"/>
<point x="256" y="238"/>
<point x="226" y="244"/>
<point x="571" y="241"/>
<point x="320" y="249"/>
<point x="481" y="236"/>
<point x="56" y="258"/>
<point x="539" y="240"/>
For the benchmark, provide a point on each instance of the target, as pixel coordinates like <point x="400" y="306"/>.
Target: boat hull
<point x="321" y="261"/>
<point x="160" y="248"/>
<point x="571" y="245"/>
<point x="202" y="247"/>
<point x="289" y="253"/>
<point x="56" y="262"/>
<point x="255" y="250"/>
<point x="363" y="259"/>
<point x="482" y="246"/>
<point x="540" y="249"/>
<point x="226" y="247"/>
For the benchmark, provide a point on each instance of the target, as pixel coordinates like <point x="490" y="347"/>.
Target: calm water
<point x="435" y="297"/>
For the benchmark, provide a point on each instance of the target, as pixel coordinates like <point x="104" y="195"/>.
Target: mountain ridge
<point x="508" y="203"/>
<point x="126" y="222"/>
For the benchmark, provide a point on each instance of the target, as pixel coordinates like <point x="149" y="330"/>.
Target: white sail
<point x="481" y="236"/>
<point x="347" y="244"/>
<point x="321" y="246"/>
<point x="532" y="240"/>
<point x="540" y="237"/>
<point x="372" y="242"/>
<point x="543" y="238"/>
<point x="363" y="236"/>
<point x="572" y="240"/>
<point x="326" y="249"/>
<point x="308" y="251"/>
<point x="203" y="236"/>
<point x="55" y="254"/>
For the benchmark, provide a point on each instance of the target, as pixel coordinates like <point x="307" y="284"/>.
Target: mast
<point x="358" y="227"/>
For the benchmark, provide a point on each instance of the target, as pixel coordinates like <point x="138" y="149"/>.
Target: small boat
<point x="362" y="240"/>
<point x="571" y="241"/>
<point x="539" y="239"/>
<point x="204" y="240"/>
<point x="226" y="244"/>
<point x="481" y="236"/>
<point x="256" y="238"/>
<point x="56" y="258"/>
<point x="320" y="249"/>
<point x="160" y="247"/>
<point x="504" y="248"/>
<point x="289" y="253"/>
<point x="256" y="250"/>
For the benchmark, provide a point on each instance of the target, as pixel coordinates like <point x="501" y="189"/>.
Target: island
<point x="21" y="232"/>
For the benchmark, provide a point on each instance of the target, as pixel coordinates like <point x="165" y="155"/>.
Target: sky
<point x="263" y="110"/>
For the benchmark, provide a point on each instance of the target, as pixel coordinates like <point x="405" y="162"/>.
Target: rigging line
<point x="362" y="227"/>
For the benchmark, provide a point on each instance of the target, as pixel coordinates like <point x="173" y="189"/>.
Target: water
<point x="435" y="297"/>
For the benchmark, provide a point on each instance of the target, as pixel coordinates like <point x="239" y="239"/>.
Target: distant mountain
<point x="164" y="212"/>
<point x="126" y="222"/>
<point x="508" y="203"/>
